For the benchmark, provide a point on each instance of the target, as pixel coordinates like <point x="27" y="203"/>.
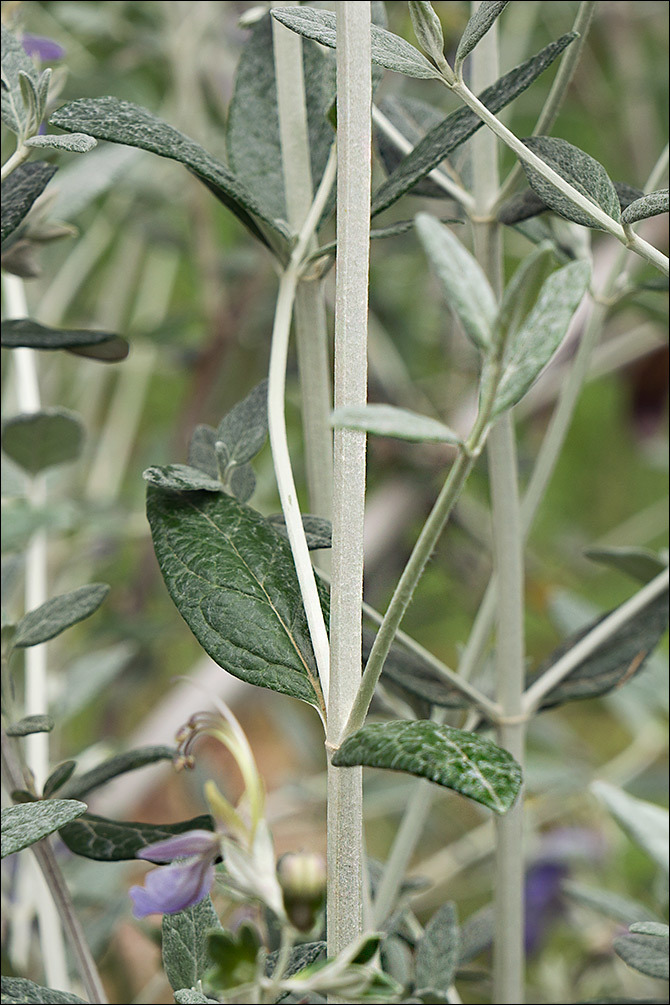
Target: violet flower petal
<point x="46" y="49"/>
<point x="173" y="888"/>
<point x="195" y="842"/>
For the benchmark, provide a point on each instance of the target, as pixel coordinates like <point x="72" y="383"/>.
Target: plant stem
<point x="21" y="154"/>
<point x="345" y="796"/>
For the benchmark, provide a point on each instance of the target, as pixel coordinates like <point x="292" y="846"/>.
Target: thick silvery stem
<point x="345" y="823"/>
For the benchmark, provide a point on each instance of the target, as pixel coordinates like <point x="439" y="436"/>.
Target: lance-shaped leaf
<point x="75" y="143"/>
<point x="466" y="288"/>
<point x="20" y="991"/>
<point x="252" y="129"/>
<point x="652" y="204"/>
<point x="59" y="613"/>
<point x="27" y="823"/>
<point x="58" y="778"/>
<point x="645" y="949"/>
<point x="578" y="168"/>
<point x="181" y="478"/>
<point x="638" y="563"/>
<point x="387" y="420"/>
<point x="458" y="127"/>
<point x="244" y="430"/>
<point x="529" y="204"/>
<point x="125" y="122"/>
<point x="387" y="49"/>
<point x="477" y="26"/>
<point x="428" y="30"/>
<point x="104" y="346"/>
<point x="15" y="63"/>
<point x="523" y="290"/>
<point x="412" y="118"/>
<point x="186" y="956"/>
<point x="614" y="662"/>
<point x="19" y="191"/>
<point x="450" y="757"/>
<point x="39" y="440"/>
<point x="31" y="724"/>
<point x="202" y="451"/>
<point x="80" y="786"/>
<point x="115" y="840"/>
<point x="612" y="905"/>
<point x="647" y="824"/>
<point x="533" y="345"/>
<point x="232" y="578"/>
<point x="437" y="953"/>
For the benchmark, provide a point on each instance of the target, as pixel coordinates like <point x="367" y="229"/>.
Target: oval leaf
<point x="117" y="841"/>
<point x="578" y="168"/>
<point x="467" y="290"/>
<point x="39" y="440"/>
<point x="387" y="49"/>
<point x="649" y="205"/>
<point x="31" y="724"/>
<point x="477" y="26"/>
<point x="59" y="613"/>
<point x="58" y="778"/>
<point x="638" y="563"/>
<point x="76" y="143"/>
<point x="30" y="822"/>
<point x="450" y="757"/>
<point x="232" y="578"/>
<point x="645" y="952"/>
<point x="181" y="478"/>
<point x="437" y="953"/>
<point x="386" y="420"/>
<point x="104" y="346"/>
<point x="186" y="956"/>
<point x="243" y="431"/>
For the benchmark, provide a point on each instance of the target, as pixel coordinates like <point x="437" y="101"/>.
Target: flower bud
<point x="302" y="877"/>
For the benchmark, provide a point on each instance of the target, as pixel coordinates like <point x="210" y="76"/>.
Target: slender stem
<point x="562" y="80"/>
<point x="600" y="634"/>
<point x="345" y="795"/>
<point x="21" y="154"/>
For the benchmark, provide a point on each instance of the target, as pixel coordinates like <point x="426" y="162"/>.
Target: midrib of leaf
<point x="314" y="682"/>
<point x="477" y="773"/>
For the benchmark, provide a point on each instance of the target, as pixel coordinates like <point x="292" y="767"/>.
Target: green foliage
<point x="80" y="786"/>
<point x="476" y="28"/>
<point x="234" y="957"/>
<point x="578" y="168"/>
<point x="185" y="942"/>
<point x="104" y="346"/>
<point x="428" y="30"/>
<point x="55" y="615"/>
<point x="19" y="192"/>
<point x="639" y="563"/>
<point x="19" y="991"/>
<point x="652" y="204"/>
<point x="116" y="841"/>
<point x="76" y="143"/>
<point x="23" y="94"/>
<point x="387" y="420"/>
<point x="31" y="724"/>
<point x="437" y="953"/>
<point x="644" y="822"/>
<point x="450" y="757"/>
<point x="27" y="823"/>
<point x="58" y="778"/>
<point x="181" y="478"/>
<point x="645" y="949"/>
<point x="39" y="440"/>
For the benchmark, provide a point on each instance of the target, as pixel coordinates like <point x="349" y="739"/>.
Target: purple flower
<point x="182" y="884"/>
<point x="45" y="49"/>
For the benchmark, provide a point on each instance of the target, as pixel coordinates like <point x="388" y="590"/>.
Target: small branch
<point x="21" y="154"/>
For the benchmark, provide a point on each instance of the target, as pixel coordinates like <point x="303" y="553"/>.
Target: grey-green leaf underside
<point x="20" y="991"/>
<point x="27" y="823"/>
<point x="477" y="26"/>
<point x="55" y="615"/>
<point x="652" y="204"/>
<point x="582" y="171"/>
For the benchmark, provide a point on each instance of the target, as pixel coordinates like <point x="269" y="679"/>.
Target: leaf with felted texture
<point x="580" y="170"/>
<point x="318" y="530"/>
<point x="387" y="420"/>
<point x="55" y="615"/>
<point x="119" y="840"/>
<point x="181" y="478"/>
<point x="20" y="991"/>
<point x="19" y="191"/>
<point x="645" y="949"/>
<point x="130" y="760"/>
<point x="243" y="431"/>
<point x="15" y="63"/>
<point x="437" y="953"/>
<point x="104" y="346"/>
<point x="75" y="143"/>
<point x="528" y="204"/>
<point x="39" y="440"/>
<point x="186" y="956"/>
<point x="413" y="118"/>
<point x="480" y="22"/>
<point x="27" y="823"/>
<point x="31" y="724"/>
<point x="450" y="757"/>
<point x="652" y="204"/>
<point x="58" y="778"/>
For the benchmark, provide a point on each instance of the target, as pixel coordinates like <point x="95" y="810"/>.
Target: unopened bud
<point x="302" y="877"/>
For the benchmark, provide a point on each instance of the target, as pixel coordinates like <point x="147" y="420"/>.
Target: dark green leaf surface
<point x="80" y="786"/>
<point x="458" y="760"/>
<point x="387" y="49"/>
<point x="533" y="345"/>
<point x="59" y="613"/>
<point x="184" y="943"/>
<point x="181" y="478"/>
<point x="125" y="122"/>
<point x="638" y="563"/>
<point x="31" y="724"/>
<point x="477" y="26"/>
<point x="579" y="169"/>
<point x="413" y="118"/>
<point x="437" y="953"/>
<point x="529" y="204"/>
<point x="19" y="991"/>
<point x="649" y="205"/>
<point x="27" y="823"/>
<point x="116" y="840"/>
<point x="19" y="191"/>
<point x="243" y="431"/>
<point x="387" y="420"/>
<point x="104" y="346"/>
<point x="58" y="778"/>
<point x="615" y="662"/>
<point x="234" y="957"/>
<point x="39" y="440"/>
<point x="232" y="578"/>
<point x="644" y="951"/>
<point x="254" y="148"/>
<point x="462" y="124"/>
<point x="318" y="530"/>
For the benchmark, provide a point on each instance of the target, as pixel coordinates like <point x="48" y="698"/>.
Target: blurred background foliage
<point x="157" y="259"/>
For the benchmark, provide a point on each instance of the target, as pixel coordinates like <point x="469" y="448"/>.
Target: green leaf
<point x="80" y="786"/>
<point x="233" y="581"/>
<point x="644" y="822"/>
<point x="579" y="169"/>
<point x="39" y="440"/>
<point x="19" y="991"/>
<point x="645" y="951"/>
<point x="191" y="996"/>
<point x="386" y="420"/>
<point x="19" y="191"/>
<point x="437" y="953"/>
<point x="241" y="482"/>
<point x="252" y="130"/>
<point x="428" y="30"/>
<point x="27" y="823"/>
<point x="544" y="329"/>
<point x="523" y="290"/>
<point x="15" y="61"/>
<point x="318" y="530"/>
<point x="451" y="757"/>
<point x="460" y="125"/>
<point x="528" y="204"/>
<point x="125" y="122"/>
<point x="202" y="452"/>
<point x="302" y="955"/>
<point x="243" y="431"/>
<point x="31" y="101"/>
<point x="31" y="724"/>
<point x="466" y="288"/>
<point x="181" y="478"/>
<point x="58" y="778"/>
<point x="76" y="143"/>
<point x="59" y="613"/>
<point x="638" y="563"/>
<point x="186" y="956"/>
<point x="104" y="346"/>
<point x="115" y="840"/>
<point x="234" y="957"/>
<point x="413" y="118"/>
<point x="613" y="663"/>
<point x="611" y="905"/>
<point x="652" y="204"/>
<point x="387" y="49"/>
<point x="477" y="26"/>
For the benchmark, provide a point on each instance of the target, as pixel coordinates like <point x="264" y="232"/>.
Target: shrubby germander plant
<point x="245" y="583"/>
